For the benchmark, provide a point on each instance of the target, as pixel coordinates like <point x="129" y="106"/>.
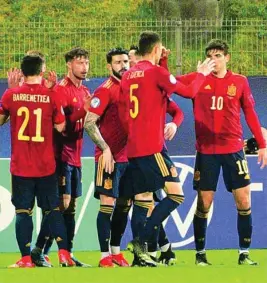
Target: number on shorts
<point x="242" y="167"/>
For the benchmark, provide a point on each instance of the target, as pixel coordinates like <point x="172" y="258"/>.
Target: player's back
<point x="147" y="109"/>
<point x="31" y="110"/>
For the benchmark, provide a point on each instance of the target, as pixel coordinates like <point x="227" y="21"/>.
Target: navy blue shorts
<point x="25" y="189"/>
<point x="208" y="167"/>
<point x="69" y="179"/>
<point x="148" y="174"/>
<point x="108" y="184"/>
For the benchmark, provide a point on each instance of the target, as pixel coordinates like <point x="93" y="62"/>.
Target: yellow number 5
<point x="26" y="112"/>
<point x="134" y="112"/>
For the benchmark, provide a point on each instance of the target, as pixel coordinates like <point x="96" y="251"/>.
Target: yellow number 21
<point x="25" y="111"/>
<point x="134" y="112"/>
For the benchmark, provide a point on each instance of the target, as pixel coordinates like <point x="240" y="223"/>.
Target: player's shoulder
<point x="64" y="83"/>
<point x="105" y="87"/>
<point x="107" y="84"/>
<point x="238" y="76"/>
<point x="85" y="89"/>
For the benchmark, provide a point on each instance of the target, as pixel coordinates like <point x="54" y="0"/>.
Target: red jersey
<point x="175" y="111"/>
<point x="33" y="111"/>
<point x="217" y="109"/>
<point x="144" y="90"/>
<point x="69" y="144"/>
<point x="104" y="103"/>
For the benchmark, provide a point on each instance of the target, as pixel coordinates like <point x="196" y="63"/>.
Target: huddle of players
<point x="117" y="117"/>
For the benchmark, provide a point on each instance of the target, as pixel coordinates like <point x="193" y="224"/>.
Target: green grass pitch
<point x="224" y="269"/>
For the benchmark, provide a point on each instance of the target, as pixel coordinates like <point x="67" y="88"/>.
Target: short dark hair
<point x="115" y="51"/>
<point x="136" y="49"/>
<point x="217" y="44"/>
<point x="76" y="52"/>
<point x="31" y="65"/>
<point x="147" y="41"/>
<point x="36" y="53"/>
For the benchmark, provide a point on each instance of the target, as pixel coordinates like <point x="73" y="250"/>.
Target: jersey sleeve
<point x="186" y="79"/>
<point x="163" y="62"/>
<point x="4" y="103"/>
<point x="175" y="111"/>
<point x="252" y="119"/>
<point x="168" y="82"/>
<point x="58" y="113"/>
<point x="247" y="100"/>
<point x="100" y="100"/>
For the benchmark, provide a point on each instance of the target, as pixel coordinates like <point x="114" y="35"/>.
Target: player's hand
<point x="206" y="67"/>
<point x="14" y="77"/>
<point x="262" y="157"/>
<point x="108" y="161"/>
<point x="51" y="80"/>
<point x="165" y="52"/>
<point x="169" y="131"/>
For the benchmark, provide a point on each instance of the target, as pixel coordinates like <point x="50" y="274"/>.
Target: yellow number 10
<point x="26" y="112"/>
<point x="134" y="112"/>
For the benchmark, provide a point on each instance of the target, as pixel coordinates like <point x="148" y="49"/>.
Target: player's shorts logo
<point x="108" y="184"/>
<point x="197" y="176"/>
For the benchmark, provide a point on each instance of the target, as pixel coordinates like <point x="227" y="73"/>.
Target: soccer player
<point x="134" y="55"/>
<point x="104" y="128"/>
<point x="145" y="88"/>
<point x="69" y="145"/>
<point x="34" y="110"/>
<point x="219" y="144"/>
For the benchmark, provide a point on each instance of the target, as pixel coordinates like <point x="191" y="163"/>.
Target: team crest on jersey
<point x="231" y="90"/>
<point x="172" y="79"/>
<point x="197" y="176"/>
<point x="173" y="171"/>
<point x="108" y="184"/>
<point x="95" y="102"/>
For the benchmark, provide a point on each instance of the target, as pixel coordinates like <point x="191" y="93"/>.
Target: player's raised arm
<point x="169" y="83"/>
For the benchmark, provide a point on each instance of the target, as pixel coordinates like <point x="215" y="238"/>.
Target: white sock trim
<point x="115" y="250"/>
<point x="104" y="254"/>
<point x="165" y="247"/>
